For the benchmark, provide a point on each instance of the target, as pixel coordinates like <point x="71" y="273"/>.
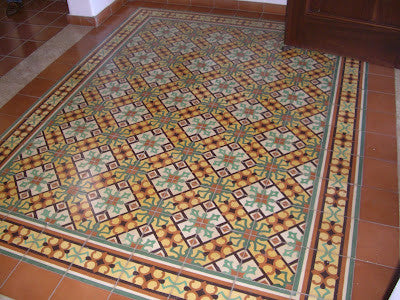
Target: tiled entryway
<point x="376" y="256"/>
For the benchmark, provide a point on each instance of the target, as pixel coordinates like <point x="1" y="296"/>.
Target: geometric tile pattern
<point x="202" y="145"/>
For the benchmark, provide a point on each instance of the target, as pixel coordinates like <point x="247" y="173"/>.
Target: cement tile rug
<point x="191" y="156"/>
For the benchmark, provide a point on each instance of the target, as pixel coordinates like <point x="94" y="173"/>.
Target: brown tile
<point x="18" y="105"/>
<point x="26" y="48"/>
<point x="248" y="14"/>
<point x="43" y="18"/>
<point x="58" y="6"/>
<point x="200" y="9"/>
<point x="251" y="6"/>
<point x="46" y="34"/>
<point x="273" y="17"/>
<point x="380" y="146"/>
<point x="372" y="281"/>
<point x="127" y="10"/>
<point x="6" y="121"/>
<point x="70" y="57"/>
<point x="78" y="290"/>
<point x="6" y="27"/>
<point x="378" y="243"/>
<point x="7" y="45"/>
<point x="381" y="123"/>
<point x="381" y="83"/>
<point x="36" y="5"/>
<point x="375" y="69"/>
<point x="76" y="20"/>
<point x="227" y="4"/>
<point x="180" y="2"/>
<point x="221" y="11"/>
<point x="379" y="206"/>
<point x="60" y="22"/>
<point x="7" y="265"/>
<point x="205" y="3"/>
<point x="55" y="71"/>
<point x="25" y="31"/>
<point x="115" y="296"/>
<point x="152" y="4"/>
<point x="176" y="7"/>
<point x="380" y="174"/>
<point x="37" y="87"/>
<point x="21" y="16"/>
<point x="381" y="102"/>
<point x="7" y="63"/>
<point x="275" y="9"/>
<point x="30" y="282"/>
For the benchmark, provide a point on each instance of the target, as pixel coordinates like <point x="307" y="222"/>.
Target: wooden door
<point x="365" y="29"/>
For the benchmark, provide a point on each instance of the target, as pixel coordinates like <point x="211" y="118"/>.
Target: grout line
<point x="22" y="258"/>
<point x="70" y="266"/>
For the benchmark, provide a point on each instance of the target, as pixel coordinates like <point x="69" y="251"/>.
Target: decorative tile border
<point x="98" y="261"/>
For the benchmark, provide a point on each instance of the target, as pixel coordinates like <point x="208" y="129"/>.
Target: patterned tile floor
<point x="188" y="155"/>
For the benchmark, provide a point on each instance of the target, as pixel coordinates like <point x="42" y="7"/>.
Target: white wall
<point x="283" y="2"/>
<point x="87" y="8"/>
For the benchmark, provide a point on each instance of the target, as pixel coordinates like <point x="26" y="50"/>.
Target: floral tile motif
<point x="191" y="158"/>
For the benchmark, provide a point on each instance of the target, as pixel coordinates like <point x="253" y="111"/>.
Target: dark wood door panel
<point x="352" y="9"/>
<point x="337" y="34"/>
<point x="389" y="12"/>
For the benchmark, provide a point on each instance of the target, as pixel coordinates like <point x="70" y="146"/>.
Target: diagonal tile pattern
<point x="200" y="151"/>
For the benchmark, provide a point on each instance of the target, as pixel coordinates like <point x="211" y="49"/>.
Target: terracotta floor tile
<point x="44" y="18"/>
<point x="221" y="11"/>
<point x="115" y="296"/>
<point x="378" y="243"/>
<point x="375" y="69"/>
<point x="379" y="206"/>
<point x="380" y="146"/>
<point x="7" y="63"/>
<point x="372" y="281"/>
<point x="57" y="6"/>
<point x="179" y="2"/>
<point x="226" y="4"/>
<point x="6" y="27"/>
<point x="74" y="289"/>
<point x="36" y="5"/>
<point x="46" y="34"/>
<point x="18" y="105"/>
<point x="381" y="123"/>
<point x="6" y="121"/>
<point x="380" y="102"/>
<point x="273" y="17"/>
<point x="204" y="3"/>
<point x="24" y="31"/>
<point x="37" y="87"/>
<point x="26" y="48"/>
<point x="22" y="16"/>
<point x="380" y="174"/>
<point x="200" y="9"/>
<point x="381" y="83"/>
<point x="55" y="71"/>
<point x="251" y="6"/>
<point x="176" y="7"/>
<point x="7" y="45"/>
<point x="7" y="264"/>
<point x="60" y="21"/>
<point x="248" y="14"/>
<point x="30" y="282"/>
